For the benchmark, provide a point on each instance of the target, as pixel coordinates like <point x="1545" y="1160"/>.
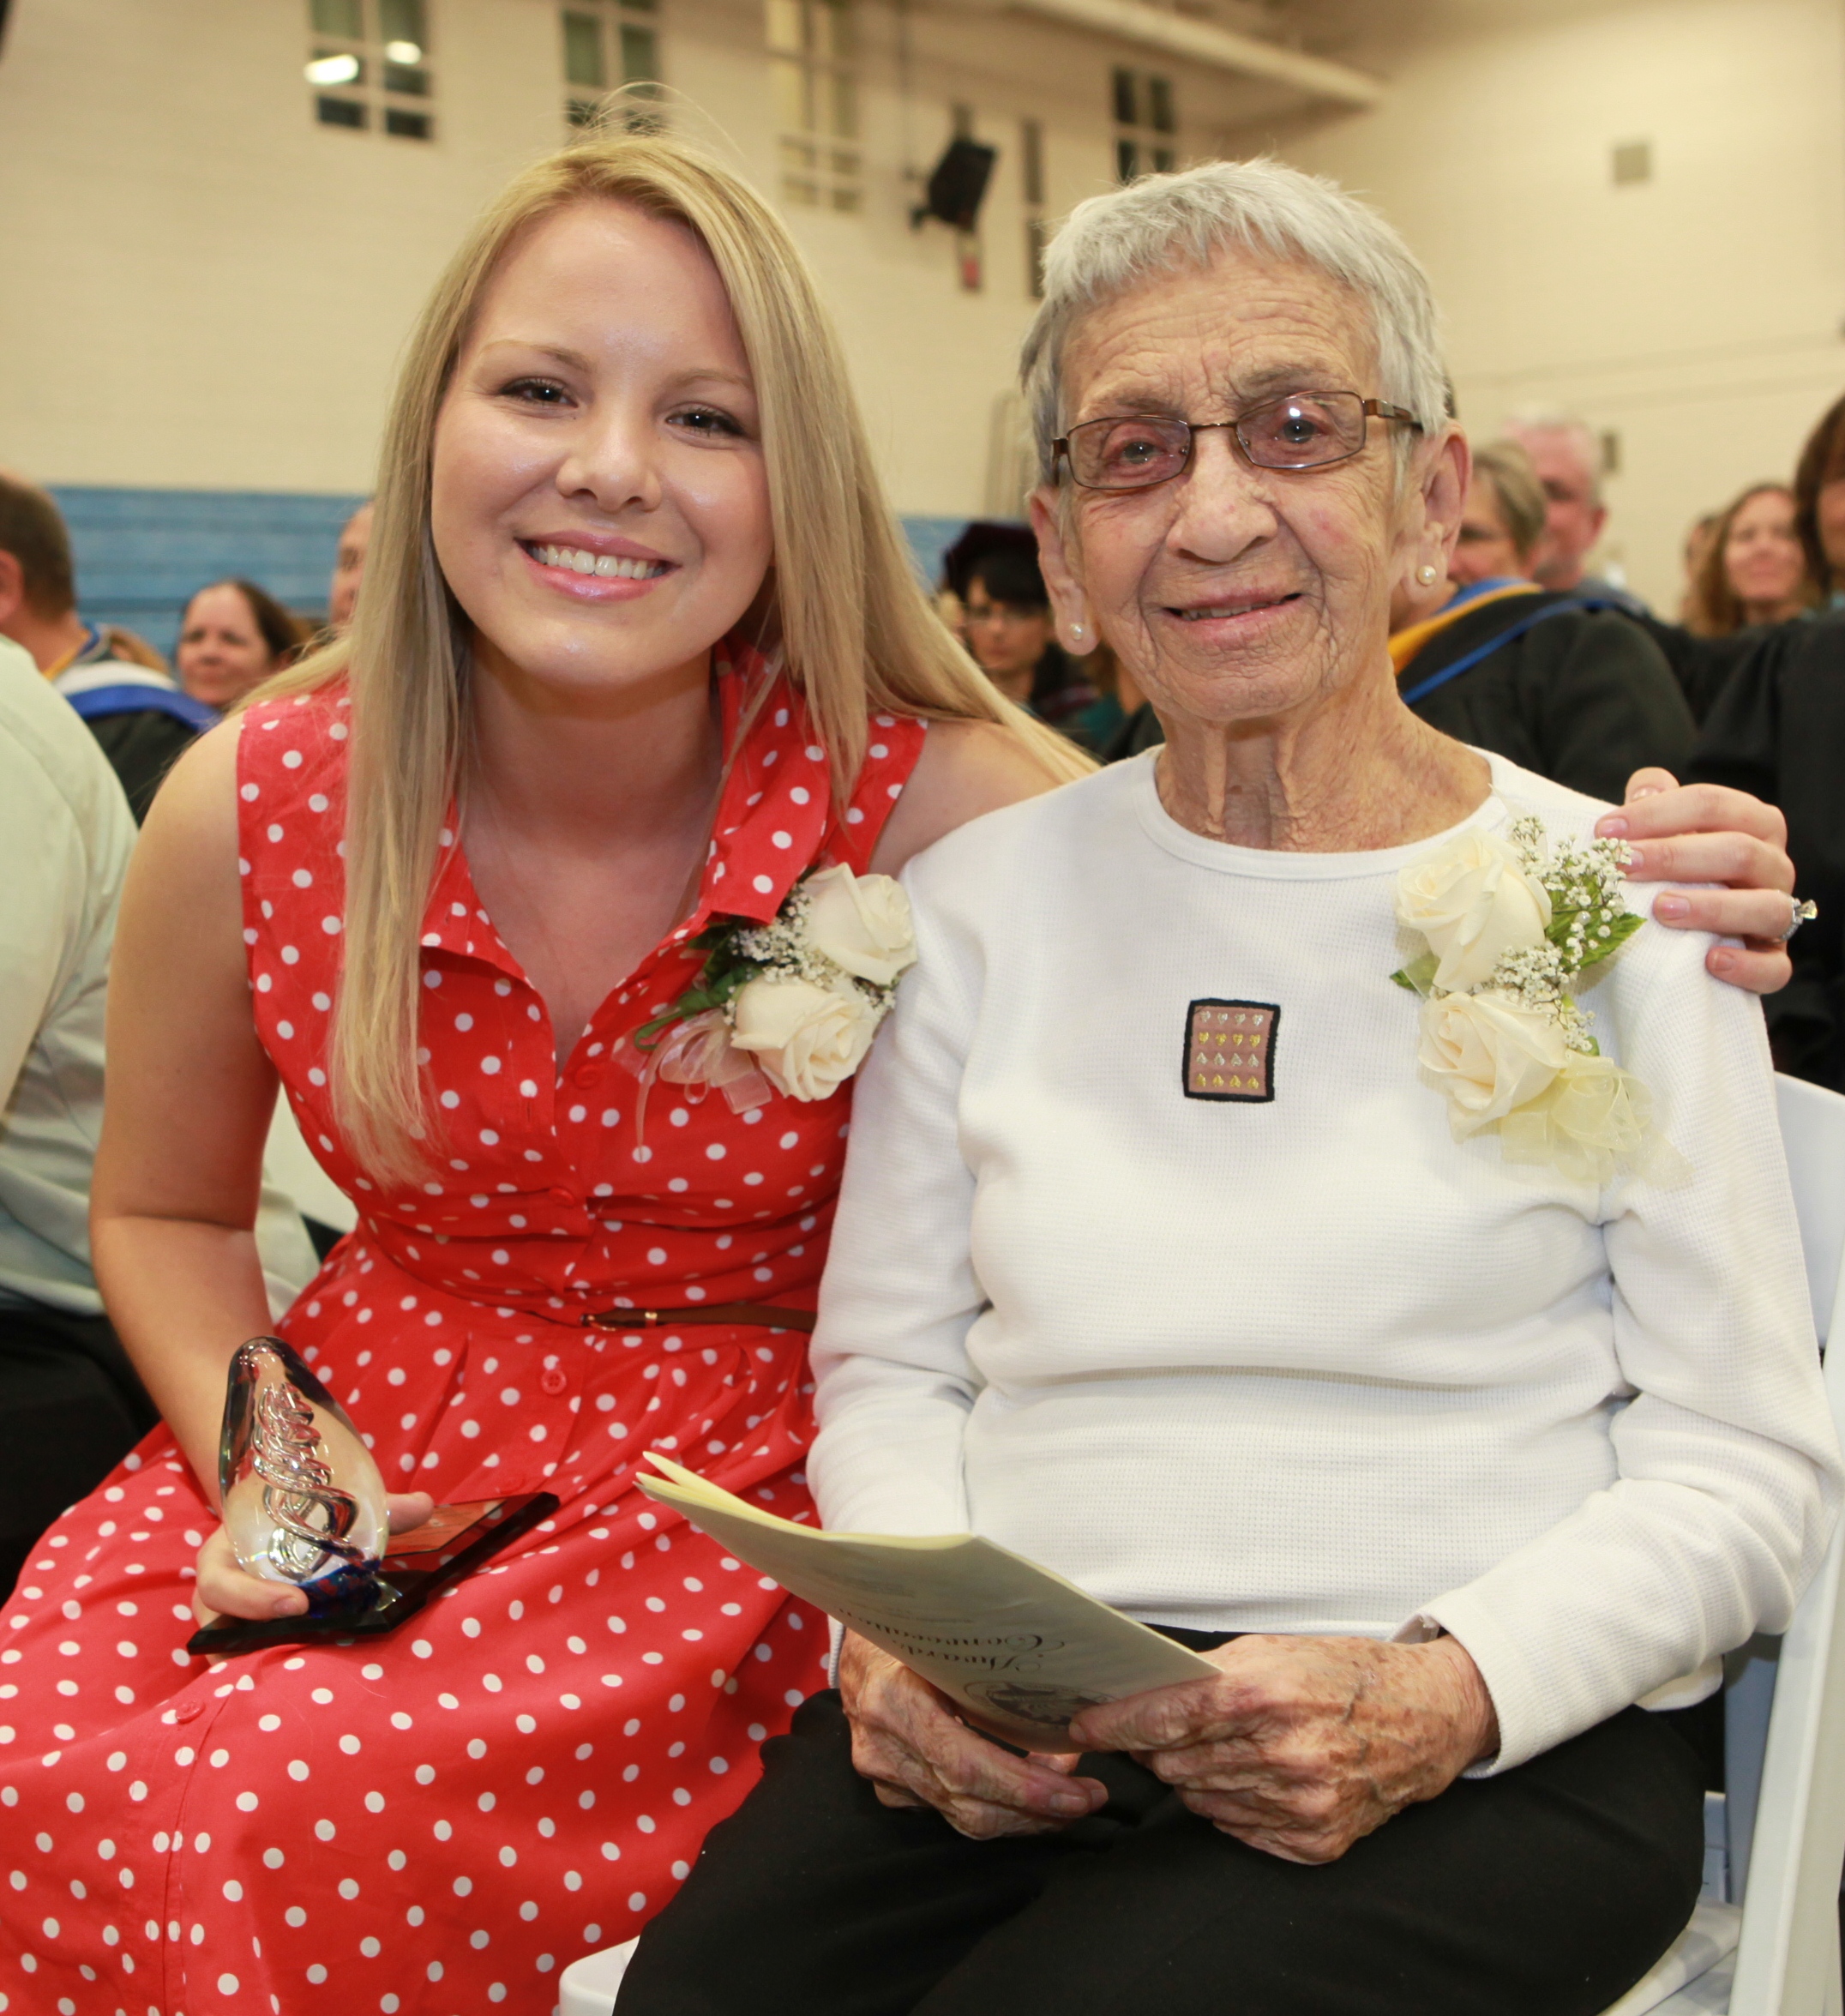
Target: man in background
<point x="1566" y="453"/>
<point x="1567" y="457"/>
<point x="349" y="568"/>
<point x="138" y="714"/>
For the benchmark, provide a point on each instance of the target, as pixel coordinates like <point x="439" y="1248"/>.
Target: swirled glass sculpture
<point x="303" y="1499"/>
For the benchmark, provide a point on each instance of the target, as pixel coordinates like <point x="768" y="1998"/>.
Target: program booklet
<point x="1019" y="1649"/>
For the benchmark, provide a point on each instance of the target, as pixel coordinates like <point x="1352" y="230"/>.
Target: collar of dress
<point x="773" y="812"/>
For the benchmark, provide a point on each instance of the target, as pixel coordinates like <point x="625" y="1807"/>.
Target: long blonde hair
<point x="856" y="632"/>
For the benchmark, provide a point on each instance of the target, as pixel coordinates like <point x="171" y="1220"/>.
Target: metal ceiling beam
<point x="1221" y="49"/>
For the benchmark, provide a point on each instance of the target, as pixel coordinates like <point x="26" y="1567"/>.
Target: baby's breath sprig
<point x="1590" y="920"/>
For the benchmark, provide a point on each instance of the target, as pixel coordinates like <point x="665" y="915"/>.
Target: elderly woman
<point x="1383" y="1349"/>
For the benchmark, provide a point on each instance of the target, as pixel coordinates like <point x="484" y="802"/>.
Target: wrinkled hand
<point x="1304" y="1745"/>
<point x="1707" y="832"/>
<point x="907" y="1741"/>
<point x="224" y="1590"/>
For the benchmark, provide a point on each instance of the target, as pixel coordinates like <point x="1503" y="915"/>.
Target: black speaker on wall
<point x="958" y="185"/>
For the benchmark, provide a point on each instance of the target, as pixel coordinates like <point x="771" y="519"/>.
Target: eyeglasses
<point x="1306" y="431"/>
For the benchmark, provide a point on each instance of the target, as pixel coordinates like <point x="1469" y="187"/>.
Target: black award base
<point x="451" y="1543"/>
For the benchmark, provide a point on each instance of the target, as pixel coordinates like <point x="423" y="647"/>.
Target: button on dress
<point x="439" y="1821"/>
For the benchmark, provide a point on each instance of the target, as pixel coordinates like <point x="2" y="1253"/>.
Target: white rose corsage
<point x="1510" y="925"/>
<point x="790" y="1006"/>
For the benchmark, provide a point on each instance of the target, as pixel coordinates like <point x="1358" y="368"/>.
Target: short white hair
<point x="1544" y="420"/>
<point x="1111" y="244"/>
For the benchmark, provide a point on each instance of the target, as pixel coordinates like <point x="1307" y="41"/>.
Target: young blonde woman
<point x="638" y="645"/>
<point x="454" y="866"/>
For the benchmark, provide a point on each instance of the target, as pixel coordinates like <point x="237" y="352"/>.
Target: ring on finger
<point x="1800" y="913"/>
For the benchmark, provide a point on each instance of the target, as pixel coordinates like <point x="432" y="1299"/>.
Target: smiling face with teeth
<point x="599" y="505"/>
<point x="1233" y="594"/>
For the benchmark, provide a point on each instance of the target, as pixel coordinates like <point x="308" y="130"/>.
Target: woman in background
<point x="1777" y="727"/>
<point x="1504" y="519"/>
<point x="233" y="637"/>
<point x="1754" y="569"/>
<point x="1007" y="620"/>
<point x="1820" y="502"/>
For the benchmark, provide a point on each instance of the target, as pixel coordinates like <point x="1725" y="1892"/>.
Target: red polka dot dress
<point x="438" y="1821"/>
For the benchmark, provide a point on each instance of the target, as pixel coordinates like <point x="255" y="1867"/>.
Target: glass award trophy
<point x="304" y="1503"/>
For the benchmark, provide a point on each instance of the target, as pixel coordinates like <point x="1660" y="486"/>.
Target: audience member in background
<point x="71" y="1405"/>
<point x="1754" y="569"/>
<point x="1504" y="520"/>
<point x="1699" y="538"/>
<point x="1567" y="458"/>
<point x="1005" y="617"/>
<point x="349" y="567"/>
<point x="1819" y="525"/>
<point x="138" y="714"/>
<point x="1565" y="684"/>
<point x="233" y="637"/>
<point x="1819" y="503"/>
<point x="1778" y="728"/>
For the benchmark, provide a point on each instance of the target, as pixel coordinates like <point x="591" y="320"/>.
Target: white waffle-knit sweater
<point x="1311" y="1365"/>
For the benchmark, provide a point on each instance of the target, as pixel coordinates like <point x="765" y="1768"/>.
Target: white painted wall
<point x="1698" y="314"/>
<point x="203" y="288"/>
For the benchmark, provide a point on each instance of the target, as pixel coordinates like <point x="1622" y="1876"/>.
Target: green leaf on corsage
<point x="1419" y="975"/>
<point x="1620" y="930"/>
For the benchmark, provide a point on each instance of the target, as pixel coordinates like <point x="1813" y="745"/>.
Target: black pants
<point x="1546" y="1892"/>
<point x="70" y="1409"/>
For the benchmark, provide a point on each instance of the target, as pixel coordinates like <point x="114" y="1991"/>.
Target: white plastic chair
<point x="1776" y="1839"/>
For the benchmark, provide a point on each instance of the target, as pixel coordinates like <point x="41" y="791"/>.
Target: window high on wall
<point x="1145" y="121"/>
<point x="608" y="44"/>
<point x="812" y="55"/>
<point x="368" y="66"/>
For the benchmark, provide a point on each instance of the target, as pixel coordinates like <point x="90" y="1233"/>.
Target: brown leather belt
<point x="765" y="1314"/>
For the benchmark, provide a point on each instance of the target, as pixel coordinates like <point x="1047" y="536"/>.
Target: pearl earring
<point x="1425" y="574"/>
<point x="1076" y="629"/>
